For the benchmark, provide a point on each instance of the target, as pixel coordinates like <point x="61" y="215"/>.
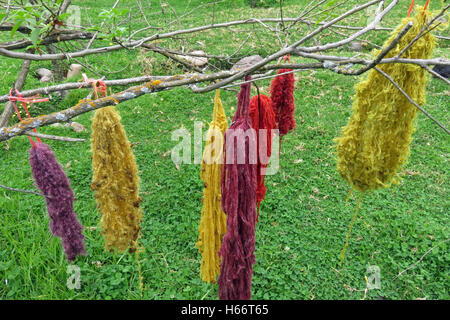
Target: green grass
<point x="303" y="220"/>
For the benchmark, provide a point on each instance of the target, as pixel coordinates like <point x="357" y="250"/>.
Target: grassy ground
<point x="304" y="218"/>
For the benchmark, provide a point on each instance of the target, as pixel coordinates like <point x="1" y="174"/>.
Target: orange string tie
<point x="426" y="5"/>
<point x="14" y="95"/>
<point x="287" y="58"/>
<point x="97" y="85"/>
<point x="410" y="7"/>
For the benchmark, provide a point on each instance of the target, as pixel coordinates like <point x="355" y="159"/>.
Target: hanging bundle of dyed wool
<point x="374" y="144"/>
<point x="239" y="203"/>
<point x="53" y="183"/>
<point x="282" y="96"/>
<point x="213" y="220"/>
<point x="115" y="181"/>
<point x="263" y="118"/>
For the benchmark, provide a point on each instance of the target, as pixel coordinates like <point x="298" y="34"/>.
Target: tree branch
<point x="131" y="44"/>
<point x="51" y="137"/>
<point x="53" y="38"/>
<point x="421" y="258"/>
<point x="411" y="100"/>
<point x="20" y="190"/>
<point x="294" y="46"/>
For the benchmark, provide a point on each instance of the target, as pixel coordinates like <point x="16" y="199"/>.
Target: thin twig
<point x="435" y="73"/>
<point x="294" y="46"/>
<point x="421" y="33"/>
<point x="384" y="52"/>
<point x="421" y="258"/>
<point x="23" y="191"/>
<point x="101" y="26"/>
<point x="51" y="137"/>
<point x="256" y="78"/>
<point x="411" y="100"/>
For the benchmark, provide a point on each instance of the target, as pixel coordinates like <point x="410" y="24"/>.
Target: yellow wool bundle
<point x="213" y="220"/>
<point x="374" y="145"/>
<point x="115" y="181"/>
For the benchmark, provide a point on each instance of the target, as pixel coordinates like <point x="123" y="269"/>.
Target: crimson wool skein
<point x="238" y="188"/>
<point x="282" y="95"/>
<point x="262" y="117"/>
<point x="53" y="183"/>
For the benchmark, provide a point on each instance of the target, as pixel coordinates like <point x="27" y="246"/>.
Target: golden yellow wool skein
<point x="213" y="220"/>
<point x="115" y="181"/>
<point x="374" y="144"/>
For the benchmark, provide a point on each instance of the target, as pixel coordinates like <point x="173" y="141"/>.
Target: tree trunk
<point x="58" y="66"/>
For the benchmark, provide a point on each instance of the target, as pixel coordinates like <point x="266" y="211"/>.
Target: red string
<point x="97" y="85"/>
<point x="411" y="7"/>
<point x="35" y="99"/>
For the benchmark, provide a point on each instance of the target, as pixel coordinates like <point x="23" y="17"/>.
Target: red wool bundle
<point x="282" y="95"/>
<point x="263" y="117"/>
<point x="239" y="203"/>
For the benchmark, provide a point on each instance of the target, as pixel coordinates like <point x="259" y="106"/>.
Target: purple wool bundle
<point x="53" y="182"/>
<point x="239" y="203"/>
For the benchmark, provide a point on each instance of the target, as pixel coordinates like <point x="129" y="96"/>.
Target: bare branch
<point x="56" y="37"/>
<point x="88" y="105"/>
<point x="421" y="33"/>
<point x="87" y="85"/>
<point x="20" y="190"/>
<point x="411" y="100"/>
<point x="142" y="79"/>
<point x="435" y="73"/>
<point x="421" y="258"/>
<point x="51" y="137"/>
<point x="435" y="61"/>
<point x="385" y="51"/>
<point x="354" y="36"/>
<point x="130" y="44"/>
<point x="171" y="56"/>
<point x="292" y="47"/>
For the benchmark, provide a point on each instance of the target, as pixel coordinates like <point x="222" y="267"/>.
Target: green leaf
<point x="330" y="3"/>
<point x="16" y="26"/>
<point x="35" y="36"/>
<point x="364" y="20"/>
